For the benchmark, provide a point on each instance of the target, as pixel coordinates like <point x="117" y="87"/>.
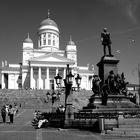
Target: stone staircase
<point x="128" y="129"/>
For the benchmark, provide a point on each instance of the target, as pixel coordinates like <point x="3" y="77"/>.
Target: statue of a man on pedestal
<point x="106" y="42"/>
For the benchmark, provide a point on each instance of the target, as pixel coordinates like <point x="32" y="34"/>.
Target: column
<point x="87" y="83"/>
<point x="47" y="78"/>
<point x="31" y="77"/>
<point x="64" y="73"/>
<point x="57" y="71"/>
<point x="42" y="40"/>
<point x="64" y="76"/>
<point x="39" y="77"/>
<point x="72" y="71"/>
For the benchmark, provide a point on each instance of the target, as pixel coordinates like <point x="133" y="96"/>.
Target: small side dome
<point x="28" y="43"/>
<point x="71" y="46"/>
<point x="71" y="42"/>
<point x="28" y="40"/>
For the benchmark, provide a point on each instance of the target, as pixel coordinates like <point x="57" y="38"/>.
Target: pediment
<point x="52" y="57"/>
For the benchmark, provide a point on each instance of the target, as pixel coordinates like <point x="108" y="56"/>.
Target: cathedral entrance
<point x="52" y="84"/>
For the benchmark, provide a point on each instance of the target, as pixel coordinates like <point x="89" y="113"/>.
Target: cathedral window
<point x="44" y="42"/>
<point x="49" y="39"/>
<point x="53" y="40"/>
<point x="49" y="42"/>
<point x="44" y="35"/>
<point x="49" y="35"/>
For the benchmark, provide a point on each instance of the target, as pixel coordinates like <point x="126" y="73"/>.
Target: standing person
<point x="3" y="114"/>
<point x="7" y="108"/>
<point x="11" y="113"/>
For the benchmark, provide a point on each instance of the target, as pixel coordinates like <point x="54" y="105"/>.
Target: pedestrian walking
<point x="7" y="108"/>
<point x="3" y="114"/>
<point x="11" y="113"/>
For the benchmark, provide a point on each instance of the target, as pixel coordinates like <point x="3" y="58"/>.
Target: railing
<point x="92" y="115"/>
<point x="53" y="116"/>
<point x="135" y="114"/>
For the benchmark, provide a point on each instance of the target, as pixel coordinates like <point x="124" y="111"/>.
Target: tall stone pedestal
<point x="69" y="114"/>
<point x="114" y="100"/>
<point x="106" y="64"/>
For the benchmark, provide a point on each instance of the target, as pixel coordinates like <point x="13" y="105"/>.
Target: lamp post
<point x="58" y="79"/>
<point x="78" y="81"/>
<point x="68" y="81"/>
<point x="69" y="115"/>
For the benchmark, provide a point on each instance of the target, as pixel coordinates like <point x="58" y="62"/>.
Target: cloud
<point x="127" y="7"/>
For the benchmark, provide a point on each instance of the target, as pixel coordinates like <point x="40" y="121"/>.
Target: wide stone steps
<point x="129" y="121"/>
<point x="129" y="126"/>
<point x="128" y="129"/>
<point x="106" y="137"/>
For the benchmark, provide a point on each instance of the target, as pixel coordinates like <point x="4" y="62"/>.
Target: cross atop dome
<point x="28" y="35"/>
<point x="48" y="13"/>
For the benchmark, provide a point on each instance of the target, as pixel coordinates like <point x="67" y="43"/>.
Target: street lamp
<point x="78" y="81"/>
<point x="68" y="81"/>
<point x="58" y="80"/>
<point x="69" y="78"/>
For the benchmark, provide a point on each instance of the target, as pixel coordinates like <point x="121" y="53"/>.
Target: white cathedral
<point x="39" y="66"/>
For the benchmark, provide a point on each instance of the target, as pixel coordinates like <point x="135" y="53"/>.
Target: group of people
<point x="8" y="110"/>
<point x="39" y="119"/>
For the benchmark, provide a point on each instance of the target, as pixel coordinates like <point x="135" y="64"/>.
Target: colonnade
<point x="46" y="81"/>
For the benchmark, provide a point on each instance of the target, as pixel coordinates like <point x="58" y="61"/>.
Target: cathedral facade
<point x="39" y="66"/>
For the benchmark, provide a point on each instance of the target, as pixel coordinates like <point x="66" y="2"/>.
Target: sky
<point x="84" y="20"/>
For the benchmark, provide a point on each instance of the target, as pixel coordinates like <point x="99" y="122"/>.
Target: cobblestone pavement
<point x="21" y="129"/>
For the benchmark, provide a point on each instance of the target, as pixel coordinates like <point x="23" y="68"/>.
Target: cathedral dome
<point x="48" y="21"/>
<point x="48" y="24"/>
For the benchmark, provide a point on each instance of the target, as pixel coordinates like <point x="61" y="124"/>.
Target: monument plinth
<point x="109" y="87"/>
<point x="109" y="90"/>
<point x="107" y="64"/>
